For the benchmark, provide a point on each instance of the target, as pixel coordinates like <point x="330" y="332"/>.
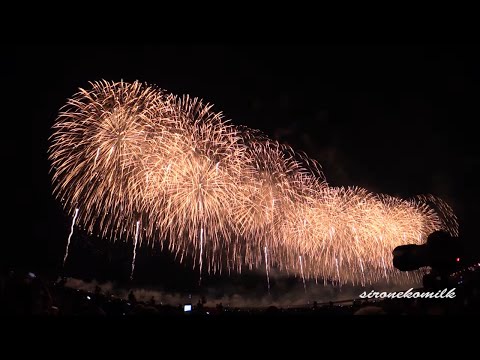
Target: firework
<point x="98" y="154"/>
<point x="140" y="163"/>
<point x="135" y="249"/>
<point x="70" y="236"/>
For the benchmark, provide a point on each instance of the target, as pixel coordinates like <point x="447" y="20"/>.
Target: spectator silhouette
<point x="131" y="297"/>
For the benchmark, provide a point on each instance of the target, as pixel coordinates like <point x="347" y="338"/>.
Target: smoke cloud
<point x="285" y="292"/>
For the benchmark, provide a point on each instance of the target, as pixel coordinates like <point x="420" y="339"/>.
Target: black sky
<point x="394" y="119"/>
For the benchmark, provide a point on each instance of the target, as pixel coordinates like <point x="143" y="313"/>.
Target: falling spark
<point x="363" y="274"/>
<point x="201" y="255"/>
<point x="70" y="236"/>
<point x="384" y="268"/>
<point x="303" y="276"/>
<point x="338" y="272"/>
<point x="266" y="269"/>
<point x="134" y="250"/>
<point x="96" y="158"/>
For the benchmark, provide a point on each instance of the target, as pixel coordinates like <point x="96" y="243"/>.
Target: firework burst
<point x="133" y="162"/>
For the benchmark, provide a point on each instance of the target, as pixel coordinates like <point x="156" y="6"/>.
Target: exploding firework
<point x="99" y="151"/>
<point x="201" y="181"/>
<point x="131" y="161"/>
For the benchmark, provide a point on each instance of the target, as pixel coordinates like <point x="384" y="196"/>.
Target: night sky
<point x="394" y="119"/>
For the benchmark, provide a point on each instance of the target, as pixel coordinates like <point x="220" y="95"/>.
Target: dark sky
<point x="394" y="119"/>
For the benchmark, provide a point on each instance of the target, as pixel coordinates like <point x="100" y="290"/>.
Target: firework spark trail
<point x="338" y="272"/>
<point x="384" y="268"/>
<point x="363" y="273"/>
<point x="135" y="249"/>
<point x="266" y="269"/>
<point x="201" y="256"/>
<point x="129" y="152"/>
<point x="70" y="236"/>
<point x="303" y="275"/>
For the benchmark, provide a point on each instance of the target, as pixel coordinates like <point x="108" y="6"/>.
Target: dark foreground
<point x="26" y="294"/>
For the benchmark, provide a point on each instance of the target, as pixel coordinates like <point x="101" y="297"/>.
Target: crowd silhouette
<point x="28" y="294"/>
